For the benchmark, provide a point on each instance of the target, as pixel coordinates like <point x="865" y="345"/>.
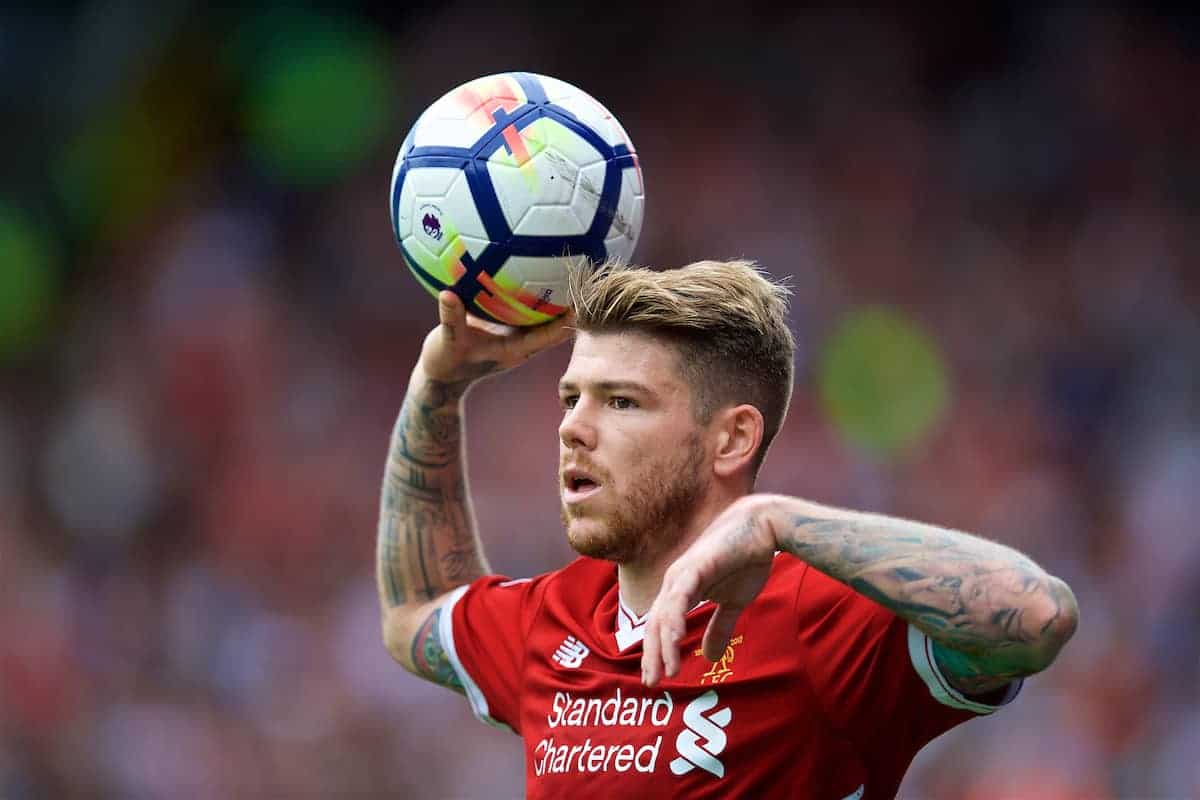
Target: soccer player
<point x="711" y="641"/>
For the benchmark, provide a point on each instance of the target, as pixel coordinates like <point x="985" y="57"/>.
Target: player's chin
<point x="589" y="536"/>
<point x="583" y="529"/>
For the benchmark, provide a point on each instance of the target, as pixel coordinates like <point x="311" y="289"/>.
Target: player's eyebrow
<point x="567" y="387"/>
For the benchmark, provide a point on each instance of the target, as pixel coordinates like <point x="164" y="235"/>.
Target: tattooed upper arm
<point x="429" y="657"/>
<point x="992" y="614"/>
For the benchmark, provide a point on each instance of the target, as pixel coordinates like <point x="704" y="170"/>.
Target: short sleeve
<point x="483" y="627"/>
<point x="875" y="676"/>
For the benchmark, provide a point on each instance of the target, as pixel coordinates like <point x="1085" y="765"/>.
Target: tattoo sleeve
<point x="427" y="543"/>
<point x="992" y="613"/>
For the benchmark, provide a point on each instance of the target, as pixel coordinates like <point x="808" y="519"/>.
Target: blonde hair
<point x="726" y="319"/>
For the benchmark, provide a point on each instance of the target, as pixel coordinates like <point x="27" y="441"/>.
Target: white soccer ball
<point x="505" y="180"/>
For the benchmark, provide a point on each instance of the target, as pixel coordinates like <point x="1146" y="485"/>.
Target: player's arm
<point x="427" y="542"/>
<point x="992" y="614"/>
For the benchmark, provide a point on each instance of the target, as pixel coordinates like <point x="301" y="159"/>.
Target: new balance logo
<point x="571" y="653"/>
<point x="692" y="753"/>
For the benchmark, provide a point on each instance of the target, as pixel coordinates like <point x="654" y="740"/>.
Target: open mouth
<point x="578" y="485"/>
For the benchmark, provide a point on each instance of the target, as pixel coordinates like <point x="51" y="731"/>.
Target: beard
<point x="652" y="516"/>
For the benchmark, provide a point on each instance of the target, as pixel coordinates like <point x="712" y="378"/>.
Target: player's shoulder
<point x="581" y="595"/>
<point x="774" y="607"/>
<point x="581" y="581"/>
<point x="579" y="573"/>
<point x="584" y="580"/>
<point x="825" y="601"/>
<point x="788" y="574"/>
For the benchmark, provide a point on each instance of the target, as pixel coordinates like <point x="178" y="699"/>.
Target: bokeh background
<point x="989" y="219"/>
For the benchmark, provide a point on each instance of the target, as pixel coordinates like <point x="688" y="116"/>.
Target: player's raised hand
<point x="728" y="564"/>
<point x="464" y="347"/>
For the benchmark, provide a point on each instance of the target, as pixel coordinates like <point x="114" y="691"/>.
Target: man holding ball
<point x="709" y="641"/>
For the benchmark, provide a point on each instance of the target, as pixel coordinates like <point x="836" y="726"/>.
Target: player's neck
<point x="639" y="581"/>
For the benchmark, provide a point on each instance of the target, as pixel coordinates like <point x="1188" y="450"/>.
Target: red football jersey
<point x="821" y="693"/>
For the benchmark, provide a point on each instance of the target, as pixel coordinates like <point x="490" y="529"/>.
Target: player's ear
<point x="739" y="432"/>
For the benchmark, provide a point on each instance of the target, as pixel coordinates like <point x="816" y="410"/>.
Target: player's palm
<point x="464" y="347"/>
<point x="728" y="564"/>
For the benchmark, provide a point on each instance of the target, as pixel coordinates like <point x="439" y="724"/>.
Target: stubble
<point x="654" y="513"/>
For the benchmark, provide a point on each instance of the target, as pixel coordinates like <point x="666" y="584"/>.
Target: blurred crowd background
<point x="989" y="219"/>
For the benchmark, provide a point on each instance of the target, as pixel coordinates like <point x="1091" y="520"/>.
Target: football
<point x="505" y="180"/>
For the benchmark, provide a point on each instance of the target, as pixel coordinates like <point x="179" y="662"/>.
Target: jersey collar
<point x="630" y="627"/>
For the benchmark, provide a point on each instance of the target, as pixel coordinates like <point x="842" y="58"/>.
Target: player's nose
<point x="576" y="429"/>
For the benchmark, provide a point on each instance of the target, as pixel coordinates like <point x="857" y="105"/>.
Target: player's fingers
<point x="540" y="337"/>
<point x="650" y="651"/>
<point x="672" y="634"/>
<point x="451" y="314"/>
<point x="487" y="326"/>
<point x="673" y="619"/>
<point x="657" y="642"/>
<point x="666" y="623"/>
<point x="719" y="631"/>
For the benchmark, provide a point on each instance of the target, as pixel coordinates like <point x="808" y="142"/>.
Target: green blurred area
<point x="318" y="93"/>
<point x="296" y="98"/>
<point x="882" y="381"/>
<point x="28" y="282"/>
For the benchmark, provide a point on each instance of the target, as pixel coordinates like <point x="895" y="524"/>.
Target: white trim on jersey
<point x="479" y="704"/>
<point x="920" y="650"/>
<point x="630" y="627"/>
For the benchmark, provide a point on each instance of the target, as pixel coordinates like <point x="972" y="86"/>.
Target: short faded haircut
<point x="726" y="319"/>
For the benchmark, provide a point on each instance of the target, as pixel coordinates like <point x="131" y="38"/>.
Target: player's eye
<point x="568" y="401"/>
<point x="622" y="403"/>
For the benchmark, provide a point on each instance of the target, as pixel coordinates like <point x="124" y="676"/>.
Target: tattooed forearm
<point x="429" y="657"/>
<point x="992" y="610"/>
<point x="427" y="543"/>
